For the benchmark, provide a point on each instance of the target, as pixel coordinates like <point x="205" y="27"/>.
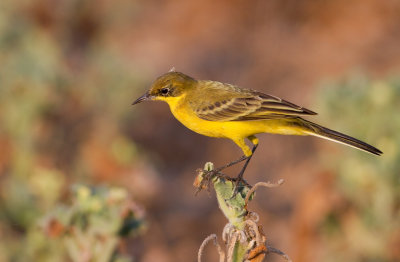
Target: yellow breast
<point x="230" y="129"/>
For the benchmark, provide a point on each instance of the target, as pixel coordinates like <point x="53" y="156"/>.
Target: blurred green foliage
<point x="367" y="227"/>
<point x="93" y="224"/>
<point x="51" y="93"/>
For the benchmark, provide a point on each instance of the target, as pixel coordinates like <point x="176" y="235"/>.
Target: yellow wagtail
<point x="223" y="110"/>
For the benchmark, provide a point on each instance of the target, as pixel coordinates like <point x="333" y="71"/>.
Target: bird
<point x="222" y="110"/>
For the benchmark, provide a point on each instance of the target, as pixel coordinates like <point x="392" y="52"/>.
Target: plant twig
<point x="263" y="184"/>
<point x="243" y="237"/>
<point x="213" y="238"/>
<point x="277" y="251"/>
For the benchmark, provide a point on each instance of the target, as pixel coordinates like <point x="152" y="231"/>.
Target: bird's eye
<point x="164" y="91"/>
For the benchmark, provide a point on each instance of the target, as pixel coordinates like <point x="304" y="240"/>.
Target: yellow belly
<point x="231" y="129"/>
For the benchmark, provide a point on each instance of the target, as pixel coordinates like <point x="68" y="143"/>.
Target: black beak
<point x="142" y="98"/>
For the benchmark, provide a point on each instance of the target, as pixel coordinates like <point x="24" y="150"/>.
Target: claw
<point x="239" y="183"/>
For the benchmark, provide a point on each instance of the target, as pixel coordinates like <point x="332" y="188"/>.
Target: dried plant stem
<point x="243" y="237"/>
<point x="277" y="251"/>
<point x="210" y="238"/>
<point x="261" y="184"/>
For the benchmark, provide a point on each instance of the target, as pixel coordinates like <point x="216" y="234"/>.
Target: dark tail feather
<point x="323" y="132"/>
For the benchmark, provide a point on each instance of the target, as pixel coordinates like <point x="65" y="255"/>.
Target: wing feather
<point x="230" y="103"/>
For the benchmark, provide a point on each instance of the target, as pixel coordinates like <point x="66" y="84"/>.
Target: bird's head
<point x="168" y="87"/>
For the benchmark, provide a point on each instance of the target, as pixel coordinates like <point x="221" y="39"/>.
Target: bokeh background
<point x="70" y="69"/>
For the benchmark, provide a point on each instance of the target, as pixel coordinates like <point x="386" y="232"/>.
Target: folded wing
<point x="243" y="105"/>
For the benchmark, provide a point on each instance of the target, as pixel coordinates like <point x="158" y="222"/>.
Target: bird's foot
<point x="240" y="183"/>
<point x="209" y="172"/>
<point x="205" y="177"/>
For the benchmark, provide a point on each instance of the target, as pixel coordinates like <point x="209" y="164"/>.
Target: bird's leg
<point x="231" y="163"/>
<point x="254" y="141"/>
<point x="248" y="155"/>
<point x="240" y="175"/>
<point x="217" y="171"/>
<point x="239" y="179"/>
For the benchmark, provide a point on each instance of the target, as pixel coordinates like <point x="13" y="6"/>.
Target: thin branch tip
<point x="214" y="239"/>
<point x="261" y="184"/>
<point x="278" y="252"/>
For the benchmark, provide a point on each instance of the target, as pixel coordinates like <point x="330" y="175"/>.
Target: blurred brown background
<point x="70" y="70"/>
